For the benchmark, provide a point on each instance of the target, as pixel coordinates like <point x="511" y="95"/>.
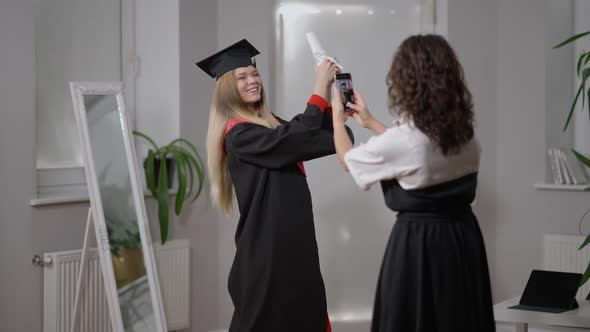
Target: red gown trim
<point x="320" y="102"/>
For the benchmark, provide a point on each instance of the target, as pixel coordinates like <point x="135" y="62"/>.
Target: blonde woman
<point x="275" y="281"/>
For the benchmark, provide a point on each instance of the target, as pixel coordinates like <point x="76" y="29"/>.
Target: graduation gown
<point x="275" y="281"/>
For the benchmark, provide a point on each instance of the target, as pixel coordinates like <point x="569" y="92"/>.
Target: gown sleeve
<point x="303" y="138"/>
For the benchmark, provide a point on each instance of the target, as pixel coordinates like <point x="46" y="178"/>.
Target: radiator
<point x="560" y="253"/>
<point x="59" y="288"/>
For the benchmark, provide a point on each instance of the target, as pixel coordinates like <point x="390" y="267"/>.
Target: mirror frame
<point x="78" y="90"/>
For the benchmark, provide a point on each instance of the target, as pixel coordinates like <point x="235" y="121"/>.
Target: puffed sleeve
<point x="383" y="157"/>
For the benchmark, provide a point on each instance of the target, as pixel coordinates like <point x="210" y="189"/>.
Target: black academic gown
<point x="275" y="281"/>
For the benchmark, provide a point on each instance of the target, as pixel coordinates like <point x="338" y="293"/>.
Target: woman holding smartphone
<point x="434" y="275"/>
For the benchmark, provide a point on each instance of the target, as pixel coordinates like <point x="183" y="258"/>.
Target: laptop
<point x="550" y="291"/>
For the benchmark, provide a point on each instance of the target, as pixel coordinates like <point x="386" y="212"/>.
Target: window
<point x="75" y="40"/>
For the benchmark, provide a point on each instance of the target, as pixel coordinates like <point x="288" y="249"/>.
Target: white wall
<point x="17" y="124"/>
<point x="559" y="66"/>
<point x="472" y="29"/>
<point x="157" y="86"/>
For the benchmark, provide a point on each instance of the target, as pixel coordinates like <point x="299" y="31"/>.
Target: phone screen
<point x="344" y="84"/>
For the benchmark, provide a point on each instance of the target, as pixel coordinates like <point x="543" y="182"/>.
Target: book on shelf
<point x="566" y="168"/>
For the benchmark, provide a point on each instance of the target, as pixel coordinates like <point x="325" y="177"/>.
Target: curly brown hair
<point x="426" y="82"/>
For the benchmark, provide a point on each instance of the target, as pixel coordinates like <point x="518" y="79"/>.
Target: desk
<point x="578" y="318"/>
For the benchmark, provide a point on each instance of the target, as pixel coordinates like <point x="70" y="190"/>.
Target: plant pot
<point x="169" y="169"/>
<point x="128" y="266"/>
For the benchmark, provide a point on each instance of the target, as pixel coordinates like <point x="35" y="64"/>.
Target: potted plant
<point x="126" y="255"/>
<point x="188" y="167"/>
<point x="583" y="72"/>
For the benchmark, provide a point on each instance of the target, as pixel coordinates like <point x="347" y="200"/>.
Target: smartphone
<point x="344" y="84"/>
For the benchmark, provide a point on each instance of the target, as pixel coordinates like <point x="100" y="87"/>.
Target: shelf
<point x="64" y="199"/>
<point x="73" y="198"/>
<point x="561" y="187"/>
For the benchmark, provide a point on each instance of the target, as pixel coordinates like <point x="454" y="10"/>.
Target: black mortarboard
<point x="234" y="56"/>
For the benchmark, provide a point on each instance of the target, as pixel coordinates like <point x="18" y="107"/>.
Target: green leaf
<point x="149" y="172"/>
<point x="586" y="241"/>
<point x="191" y="176"/>
<point x="182" y="140"/>
<point x="193" y="166"/>
<point x="585" y="75"/>
<point x="147" y="138"/>
<point x="571" y="39"/>
<point x="582" y="60"/>
<point x="197" y="167"/>
<point x="175" y="147"/>
<point x="162" y="197"/>
<point x="193" y="148"/>
<point x="573" y="107"/>
<point x="585" y="276"/>
<point x="584" y="161"/>
<point x="180" y="169"/>
<point x="581" y="158"/>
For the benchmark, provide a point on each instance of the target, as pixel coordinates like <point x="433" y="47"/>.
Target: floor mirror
<point x="118" y="208"/>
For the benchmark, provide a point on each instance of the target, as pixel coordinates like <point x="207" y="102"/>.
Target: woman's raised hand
<point x="324" y="77"/>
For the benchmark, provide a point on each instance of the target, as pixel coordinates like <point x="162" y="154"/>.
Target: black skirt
<point x="434" y="276"/>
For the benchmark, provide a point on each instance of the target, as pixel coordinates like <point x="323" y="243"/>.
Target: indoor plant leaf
<point x="147" y="138"/>
<point x="162" y="197"/>
<point x="180" y="171"/>
<point x="150" y="176"/>
<point x="581" y="158"/>
<point x="587" y="58"/>
<point x="191" y="177"/>
<point x="187" y="162"/>
<point x="571" y="39"/>
<point x="586" y="241"/>
<point x="582" y="60"/>
<point x="585" y="276"/>
<point x="198" y="169"/>
<point x="190" y="164"/>
<point x="573" y="107"/>
<point x="194" y="150"/>
<point x="584" y="161"/>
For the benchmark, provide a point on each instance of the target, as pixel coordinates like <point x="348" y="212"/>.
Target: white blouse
<point x="404" y="153"/>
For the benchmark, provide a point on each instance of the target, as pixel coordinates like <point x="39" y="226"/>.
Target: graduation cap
<point x="234" y="56"/>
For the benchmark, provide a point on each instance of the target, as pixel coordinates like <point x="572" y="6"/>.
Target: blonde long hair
<point x="225" y="106"/>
